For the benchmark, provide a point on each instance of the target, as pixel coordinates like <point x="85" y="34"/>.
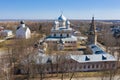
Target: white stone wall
<point x="21" y="33"/>
<point x="28" y="33"/>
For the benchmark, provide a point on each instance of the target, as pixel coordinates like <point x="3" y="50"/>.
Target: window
<point x="105" y="65"/>
<point x="84" y="66"/>
<point x="113" y="65"/>
<point x="60" y="35"/>
<point x="54" y="35"/>
<point x="93" y="66"/>
<point x="67" y="35"/>
<point x="98" y="52"/>
<point x="88" y="66"/>
<point x="93" y="46"/>
<point x="97" y="66"/>
<point x="71" y="68"/>
<point x="101" y="65"/>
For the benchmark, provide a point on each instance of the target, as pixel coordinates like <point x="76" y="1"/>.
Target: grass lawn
<point x="3" y="49"/>
<point x="4" y="45"/>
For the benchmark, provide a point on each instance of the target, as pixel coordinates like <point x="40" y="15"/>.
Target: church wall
<point x="23" y="31"/>
<point x="28" y="33"/>
<point x="62" y="23"/>
<point x="20" y="33"/>
<point x="70" y="43"/>
<point x="67" y="43"/>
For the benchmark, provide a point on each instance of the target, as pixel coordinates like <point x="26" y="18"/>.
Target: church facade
<point x="62" y="31"/>
<point x="23" y="31"/>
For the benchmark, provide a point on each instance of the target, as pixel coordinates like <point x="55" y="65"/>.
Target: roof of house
<point x="96" y="49"/>
<point x="93" y="58"/>
<point x="7" y="30"/>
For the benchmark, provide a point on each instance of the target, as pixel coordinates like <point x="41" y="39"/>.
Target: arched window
<point x="54" y="35"/>
<point x="113" y="65"/>
<point x="60" y="35"/>
<point x="101" y="65"/>
<point x="97" y="66"/>
<point x="88" y="66"/>
<point x="84" y="66"/>
<point x="67" y="35"/>
<point x="93" y="66"/>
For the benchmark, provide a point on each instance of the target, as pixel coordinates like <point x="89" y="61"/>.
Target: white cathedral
<point x="23" y="31"/>
<point x="62" y="32"/>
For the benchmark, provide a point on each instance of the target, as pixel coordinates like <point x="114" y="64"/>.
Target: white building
<point x="74" y="62"/>
<point x="6" y="33"/>
<point x="23" y="31"/>
<point x="77" y="33"/>
<point x="62" y="30"/>
<point x="1" y="28"/>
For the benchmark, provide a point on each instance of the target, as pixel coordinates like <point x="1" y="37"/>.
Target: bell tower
<point x="92" y="35"/>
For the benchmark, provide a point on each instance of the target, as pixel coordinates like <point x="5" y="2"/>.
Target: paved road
<point x="7" y="38"/>
<point x="2" y="40"/>
<point x="2" y="52"/>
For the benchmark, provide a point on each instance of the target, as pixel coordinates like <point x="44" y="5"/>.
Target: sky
<point x="51" y="9"/>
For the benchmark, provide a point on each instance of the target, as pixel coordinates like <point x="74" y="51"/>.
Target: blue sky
<point x="51" y="9"/>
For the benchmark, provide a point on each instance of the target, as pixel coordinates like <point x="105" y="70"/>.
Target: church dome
<point x="56" y="22"/>
<point x="22" y="22"/>
<point x="68" y="22"/>
<point x="62" y="18"/>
